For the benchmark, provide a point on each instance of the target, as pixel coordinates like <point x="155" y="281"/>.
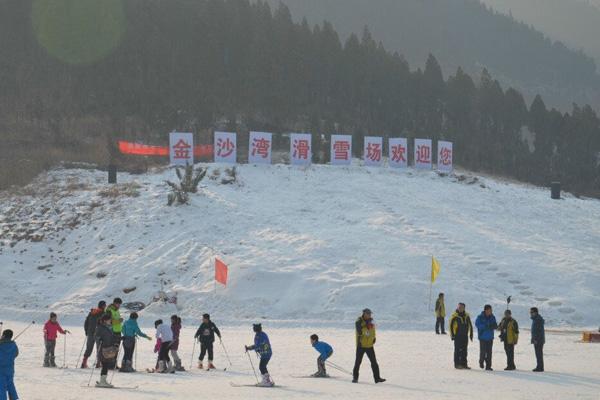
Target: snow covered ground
<point x="308" y="246"/>
<point x="418" y="365"/>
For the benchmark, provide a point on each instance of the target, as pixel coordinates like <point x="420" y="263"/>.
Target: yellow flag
<point x="435" y="269"/>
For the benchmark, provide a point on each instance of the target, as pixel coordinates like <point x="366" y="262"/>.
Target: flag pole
<point x="430" y="287"/>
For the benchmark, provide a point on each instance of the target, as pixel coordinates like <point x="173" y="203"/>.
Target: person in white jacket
<point x="165" y="335"/>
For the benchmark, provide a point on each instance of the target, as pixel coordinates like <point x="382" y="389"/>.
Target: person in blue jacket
<point x="262" y="346"/>
<point x="325" y="351"/>
<point x="130" y="331"/>
<point x="486" y="325"/>
<point x="8" y="352"/>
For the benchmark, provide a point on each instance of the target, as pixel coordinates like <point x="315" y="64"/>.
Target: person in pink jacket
<point x="51" y="330"/>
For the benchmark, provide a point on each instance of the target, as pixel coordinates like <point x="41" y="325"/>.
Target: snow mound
<point x="314" y="244"/>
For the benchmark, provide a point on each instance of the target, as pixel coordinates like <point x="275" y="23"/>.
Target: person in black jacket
<point x="461" y="330"/>
<point x="538" y="338"/>
<point x="206" y="336"/>
<point x="89" y="326"/>
<point x="109" y="348"/>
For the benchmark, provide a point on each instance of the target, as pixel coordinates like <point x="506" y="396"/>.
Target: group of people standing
<point x="461" y="331"/>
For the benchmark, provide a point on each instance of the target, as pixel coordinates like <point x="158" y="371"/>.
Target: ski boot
<point x="266" y="381"/>
<point x="211" y="365"/>
<point x="103" y="383"/>
<point x="178" y="366"/>
<point x="84" y="363"/>
<point x="200" y="365"/>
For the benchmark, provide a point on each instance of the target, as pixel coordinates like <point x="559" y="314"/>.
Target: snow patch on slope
<point x="316" y="244"/>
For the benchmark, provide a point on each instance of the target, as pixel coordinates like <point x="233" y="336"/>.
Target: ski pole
<point x="252" y="364"/>
<point x="64" y="352"/>
<point x="93" y="369"/>
<point x="135" y="359"/>
<point x="335" y="366"/>
<point x="226" y="355"/>
<point x="193" y="350"/>
<point x="23" y="331"/>
<point x="81" y="352"/>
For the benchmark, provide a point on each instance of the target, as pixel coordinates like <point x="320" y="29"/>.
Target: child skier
<point x="176" y="329"/>
<point x="206" y="336"/>
<point x="130" y="331"/>
<point x="325" y="351"/>
<point x="262" y="346"/>
<point x="8" y="352"/>
<point x="51" y="330"/>
<point x="165" y="334"/>
<point x="109" y="349"/>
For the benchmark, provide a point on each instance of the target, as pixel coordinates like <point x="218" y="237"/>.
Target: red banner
<point x="220" y="271"/>
<point x="204" y="150"/>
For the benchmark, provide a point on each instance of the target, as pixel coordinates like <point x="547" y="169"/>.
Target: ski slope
<point x="304" y="246"/>
<point x="417" y="365"/>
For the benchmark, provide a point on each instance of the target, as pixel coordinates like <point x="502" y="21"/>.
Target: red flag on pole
<point x="220" y="271"/>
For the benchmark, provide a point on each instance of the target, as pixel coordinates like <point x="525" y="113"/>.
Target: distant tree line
<point x="197" y="65"/>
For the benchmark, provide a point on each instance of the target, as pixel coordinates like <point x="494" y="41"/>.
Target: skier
<point x="109" y="348"/>
<point x="176" y="328"/>
<point x="206" y="336"/>
<point x="509" y="334"/>
<point x="51" y="330"/>
<point x="8" y="352"/>
<point x="117" y="321"/>
<point x="165" y="334"/>
<point x="90" y="324"/>
<point x="325" y="351"/>
<point x="130" y="331"/>
<point x="440" y="314"/>
<point x="365" y="340"/>
<point x="461" y="330"/>
<point x="538" y="338"/>
<point x="486" y="325"/>
<point x="262" y="346"/>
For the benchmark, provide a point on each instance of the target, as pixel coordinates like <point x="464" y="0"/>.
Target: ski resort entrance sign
<point x="182" y="151"/>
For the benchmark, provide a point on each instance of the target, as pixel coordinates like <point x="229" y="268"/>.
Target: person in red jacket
<point x="51" y="330"/>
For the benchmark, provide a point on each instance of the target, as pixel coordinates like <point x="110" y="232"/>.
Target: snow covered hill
<point x="309" y="245"/>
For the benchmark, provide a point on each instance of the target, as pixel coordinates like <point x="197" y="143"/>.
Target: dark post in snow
<point x="555" y="189"/>
<point x="112" y="173"/>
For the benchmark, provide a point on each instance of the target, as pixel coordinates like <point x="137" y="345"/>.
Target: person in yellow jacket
<point x="365" y="340"/>
<point x="509" y="334"/>
<point x="461" y="329"/>
<point x="440" y="315"/>
<point x="115" y="316"/>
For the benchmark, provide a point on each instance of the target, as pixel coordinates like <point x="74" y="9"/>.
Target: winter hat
<point x="206" y="316"/>
<point x="133" y="315"/>
<point x="507" y="312"/>
<point x="487" y="307"/>
<point x="7" y="334"/>
<point x="314" y="337"/>
<point x="257" y="327"/>
<point x="367" y="311"/>
<point x="102" y="304"/>
<point x="117" y="300"/>
<point x="52" y="315"/>
<point x="158" y="322"/>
